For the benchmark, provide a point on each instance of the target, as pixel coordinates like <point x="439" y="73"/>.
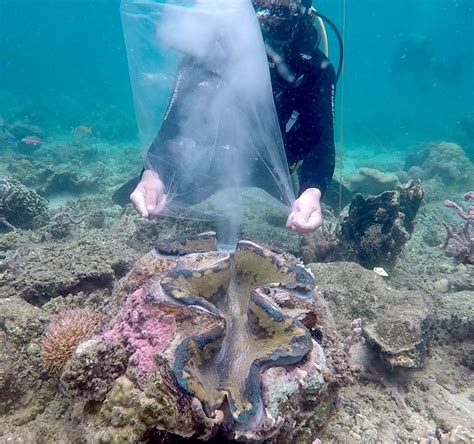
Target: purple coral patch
<point x="144" y="329"/>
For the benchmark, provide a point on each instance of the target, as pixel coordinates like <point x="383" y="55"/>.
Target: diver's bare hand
<point x="148" y="197"/>
<point x="305" y="213"/>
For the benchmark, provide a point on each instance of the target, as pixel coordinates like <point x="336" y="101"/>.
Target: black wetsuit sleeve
<point x="313" y="137"/>
<point x="192" y="78"/>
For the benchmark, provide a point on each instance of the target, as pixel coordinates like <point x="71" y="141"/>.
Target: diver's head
<point x="287" y="3"/>
<point x="277" y="18"/>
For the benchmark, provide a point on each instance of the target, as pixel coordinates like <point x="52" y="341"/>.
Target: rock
<point x="22" y="392"/>
<point x="400" y="334"/>
<point x="455" y="316"/>
<point x="128" y="412"/>
<point x="396" y="324"/>
<point x="459" y="434"/>
<point x="85" y="265"/>
<point x="441" y="285"/>
<point x="461" y="278"/>
<point x="93" y="368"/>
<point x="21" y="321"/>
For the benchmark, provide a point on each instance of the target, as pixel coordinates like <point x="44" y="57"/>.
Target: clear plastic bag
<point x="204" y="103"/>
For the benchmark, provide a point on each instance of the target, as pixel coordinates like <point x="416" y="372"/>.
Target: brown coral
<point x="65" y="332"/>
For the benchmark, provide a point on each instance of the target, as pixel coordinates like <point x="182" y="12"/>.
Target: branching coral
<point x="459" y="242"/>
<point x="67" y="330"/>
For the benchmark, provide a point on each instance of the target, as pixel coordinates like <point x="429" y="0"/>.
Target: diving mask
<point x="279" y="20"/>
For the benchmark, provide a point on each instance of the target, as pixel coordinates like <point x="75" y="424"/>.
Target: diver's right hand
<point x="148" y="197"/>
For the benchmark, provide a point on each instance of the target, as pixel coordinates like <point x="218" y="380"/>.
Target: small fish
<point x="32" y="140"/>
<point x="81" y="130"/>
<point x="12" y="139"/>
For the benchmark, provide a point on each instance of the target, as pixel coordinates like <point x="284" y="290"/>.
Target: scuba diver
<point x="303" y="82"/>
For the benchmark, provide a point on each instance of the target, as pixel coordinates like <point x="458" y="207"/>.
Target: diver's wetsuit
<point x="305" y="106"/>
<point x="311" y="98"/>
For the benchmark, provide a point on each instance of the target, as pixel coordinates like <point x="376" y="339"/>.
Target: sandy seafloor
<point x="87" y="244"/>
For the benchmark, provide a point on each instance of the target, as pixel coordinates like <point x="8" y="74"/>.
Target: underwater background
<point x="68" y="141"/>
<point x="65" y="63"/>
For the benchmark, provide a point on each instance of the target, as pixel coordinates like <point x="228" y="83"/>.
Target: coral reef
<point x="396" y="324"/>
<point x="459" y="242"/>
<point x="204" y="343"/>
<point x="372" y="181"/>
<point x="101" y="395"/>
<point x="60" y="225"/>
<point x="20" y="206"/>
<point x="377" y="227"/>
<point x="24" y="390"/>
<point x="81" y="259"/>
<point x="86" y="264"/>
<point x="58" y="168"/>
<point x="444" y="162"/>
<point x="69" y="181"/>
<point x="454" y="317"/>
<point x="66" y="331"/>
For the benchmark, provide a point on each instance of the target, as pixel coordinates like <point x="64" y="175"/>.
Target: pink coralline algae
<point x="460" y="241"/>
<point x="144" y="329"/>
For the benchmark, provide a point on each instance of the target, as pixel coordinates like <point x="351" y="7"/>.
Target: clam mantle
<point x="250" y="331"/>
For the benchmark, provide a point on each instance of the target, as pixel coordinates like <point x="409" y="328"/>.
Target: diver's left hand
<point x="305" y="213"/>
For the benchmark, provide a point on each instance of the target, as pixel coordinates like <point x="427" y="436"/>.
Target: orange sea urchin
<point x="65" y="332"/>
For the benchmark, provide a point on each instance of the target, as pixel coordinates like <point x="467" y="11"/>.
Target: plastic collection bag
<point x="204" y="103"/>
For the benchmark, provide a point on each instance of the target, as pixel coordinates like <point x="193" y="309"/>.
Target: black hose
<point x="339" y="38"/>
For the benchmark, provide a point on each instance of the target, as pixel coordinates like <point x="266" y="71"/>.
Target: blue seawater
<point x="64" y="60"/>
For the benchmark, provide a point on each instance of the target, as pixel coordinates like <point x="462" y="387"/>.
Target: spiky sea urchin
<point x="65" y="332"/>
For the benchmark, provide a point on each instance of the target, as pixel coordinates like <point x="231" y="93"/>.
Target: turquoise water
<point x="69" y="141"/>
<point x="65" y="63"/>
